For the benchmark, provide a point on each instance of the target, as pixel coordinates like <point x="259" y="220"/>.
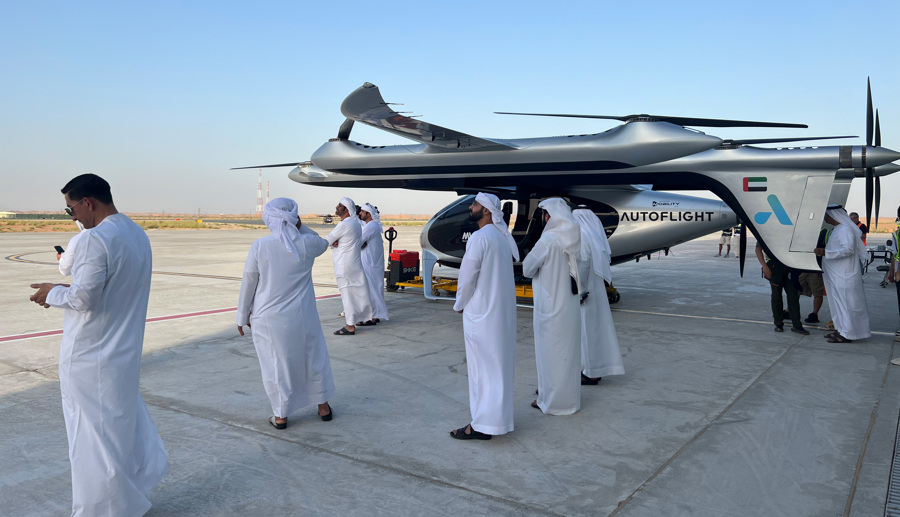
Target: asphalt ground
<point x="716" y="414"/>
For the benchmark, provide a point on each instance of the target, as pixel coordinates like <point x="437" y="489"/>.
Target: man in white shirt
<point x="486" y="297"/>
<point x="372" y="256"/>
<point x="277" y="297"/>
<point x="553" y="266"/>
<point x="843" y="278"/>
<point x="115" y="450"/>
<point x="345" y="240"/>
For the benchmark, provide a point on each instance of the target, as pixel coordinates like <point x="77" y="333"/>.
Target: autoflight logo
<point x="777" y="209"/>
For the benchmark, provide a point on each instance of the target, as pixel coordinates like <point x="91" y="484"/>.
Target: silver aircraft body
<point x="779" y="193"/>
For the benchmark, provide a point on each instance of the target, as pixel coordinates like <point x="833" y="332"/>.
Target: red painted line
<point x="149" y="320"/>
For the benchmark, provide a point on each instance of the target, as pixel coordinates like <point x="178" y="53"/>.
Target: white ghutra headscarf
<point x="592" y="230"/>
<point x="838" y="213"/>
<point x="376" y="216"/>
<point x="281" y="218"/>
<point x="566" y="230"/>
<point x="492" y="203"/>
<point x="351" y="207"/>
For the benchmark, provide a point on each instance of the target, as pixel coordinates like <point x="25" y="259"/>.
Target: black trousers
<point x="782" y="281"/>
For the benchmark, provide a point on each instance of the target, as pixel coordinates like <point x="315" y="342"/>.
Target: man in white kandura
<point x="278" y="302"/>
<point x="553" y="264"/>
<point x="843" y="278"/>
<point x="67" y="257"/>
<point x="348" y="270"/>
<point x="486" y="297"/>
<point x="600" y="355"/>
<point x="372" y="255"/>
<point x="115" y="450"/>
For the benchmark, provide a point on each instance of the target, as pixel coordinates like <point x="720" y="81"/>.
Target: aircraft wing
<point x="367" y="106"/>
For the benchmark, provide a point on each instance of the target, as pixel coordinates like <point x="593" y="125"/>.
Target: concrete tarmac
<point x="716" y="414"/>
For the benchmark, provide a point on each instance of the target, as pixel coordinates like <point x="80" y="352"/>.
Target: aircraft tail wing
<point x="785" y="219"/>
<point x="366" y="105"/>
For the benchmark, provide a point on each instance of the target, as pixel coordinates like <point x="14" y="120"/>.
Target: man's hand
<point x="241" y="329"/>
<point x="335" y="244"/>
<point x="767" y="273"/>
<point x="40" y="297"/>
<point x="819" y="251"/>
<point x="460" y="311"/>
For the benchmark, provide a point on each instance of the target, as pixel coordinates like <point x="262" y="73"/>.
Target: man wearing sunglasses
<point x="115" y="450"/>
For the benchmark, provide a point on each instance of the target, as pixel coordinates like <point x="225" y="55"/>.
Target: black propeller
<point x="870" y="129"/>
<point x="681" y="121"/>
<point x="877" y="178"/>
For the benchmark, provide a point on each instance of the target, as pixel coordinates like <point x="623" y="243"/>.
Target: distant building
<point x="7" y="215"/>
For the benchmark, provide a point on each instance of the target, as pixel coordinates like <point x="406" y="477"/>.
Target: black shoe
<point x="587" y="381"/>
<point x="800" y="330"/>
<point x="812" y="318"/>
<point x="328" y="417"/>
<point x="779" y="328"/>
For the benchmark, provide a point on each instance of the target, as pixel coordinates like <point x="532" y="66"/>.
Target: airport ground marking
<point x="46" y="333"/>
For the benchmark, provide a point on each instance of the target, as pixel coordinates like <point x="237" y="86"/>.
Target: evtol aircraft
<point x="780" y="194"/>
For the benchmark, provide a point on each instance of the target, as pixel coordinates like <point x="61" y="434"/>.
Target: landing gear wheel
<point x="435" y="292"/>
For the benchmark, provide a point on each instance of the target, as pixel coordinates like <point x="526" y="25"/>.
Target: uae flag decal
<point x="755" y="184"/>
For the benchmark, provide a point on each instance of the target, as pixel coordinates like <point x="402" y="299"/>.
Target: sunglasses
<point x="68" y="209"/>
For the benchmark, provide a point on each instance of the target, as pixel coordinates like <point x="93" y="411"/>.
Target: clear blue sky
<point x="162" y="98"/>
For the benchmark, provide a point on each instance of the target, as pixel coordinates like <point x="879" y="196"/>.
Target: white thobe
<point x="557" y="327"/>
<point x="115" y="450"/>
<point x="278" y="300"/>
<point x="373" y="265"/>
<point x="844" y="285"/>
<point x="486" y="293"/>
<point x="67" y="258"/>
<point x="600" y="355"/>
<point x="348" y="271"/>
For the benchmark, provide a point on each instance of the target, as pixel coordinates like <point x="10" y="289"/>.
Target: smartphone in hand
<point x="59" y="249"/>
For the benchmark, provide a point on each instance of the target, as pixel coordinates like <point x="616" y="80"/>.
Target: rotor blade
<point x="292" y="164"/>
<point x="753" y="141"/>
<point x="742" y="246"/>
<point x="869" y="188"/>
<point x="681" y="121"/>
<point x="869" y="127"/>
<point x="877" y="178"/>
<point x="877" y="198"/>
<point x="877" y="130"/>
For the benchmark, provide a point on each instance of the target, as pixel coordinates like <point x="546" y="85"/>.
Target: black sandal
<point x="329" y="416"/>
<point x="588" y="381"/>
<point x="837" y="338"/>
<point x="460" y="434"/>
<point x="343" y="332"/>
<point x="534" y="404"/>
<point x="273" y="420"/>
<point x="366" y="323"/>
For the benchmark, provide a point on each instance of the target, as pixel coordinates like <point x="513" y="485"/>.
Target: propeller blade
<point x="742" y="246"/>
<point x="753" y="141"/>
<point x="877" y="178"/>
<point x="292" y="164"/>
<point x="869" y="188"/>
<point x="869" y="127"/>
<point x="681" y="121"/>
<point x="877" y="198"/>
<point x="877" y="130"/>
